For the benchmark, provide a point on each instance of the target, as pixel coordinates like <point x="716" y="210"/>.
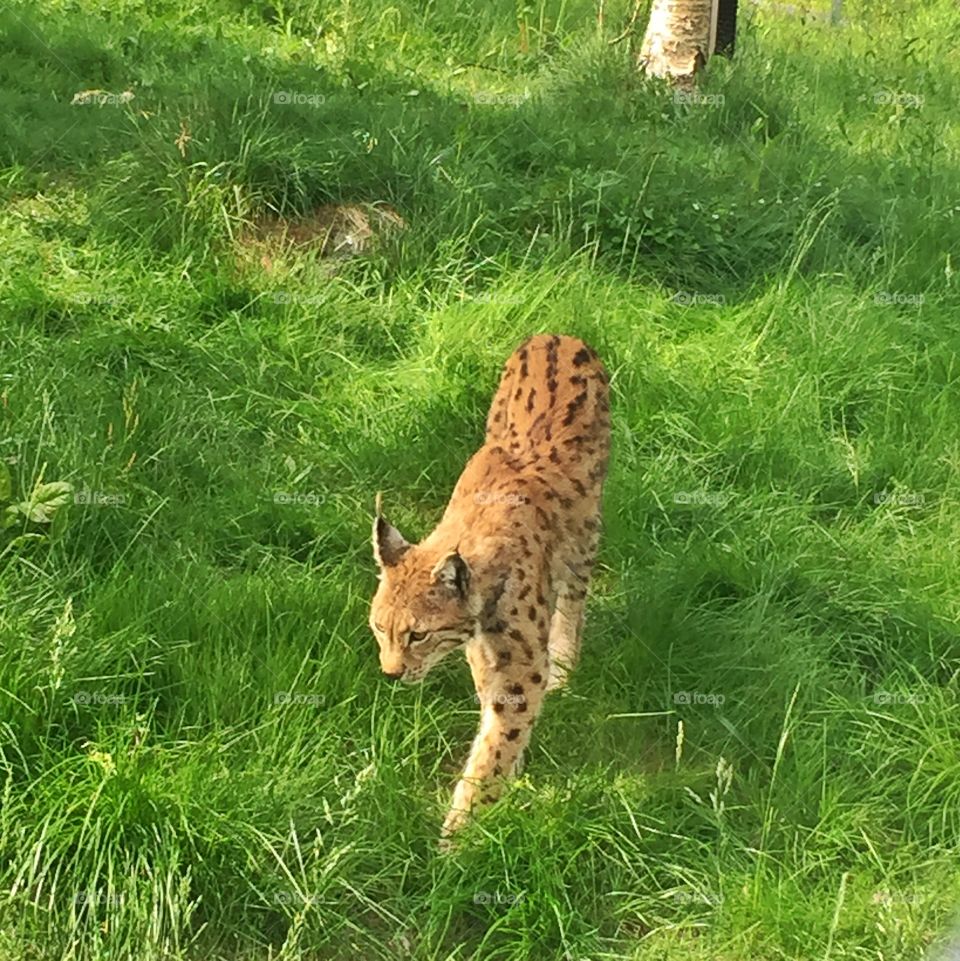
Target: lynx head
<point x="423" y="606"/>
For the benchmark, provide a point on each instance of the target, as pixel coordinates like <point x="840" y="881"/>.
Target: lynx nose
<point x="395" y="675"/>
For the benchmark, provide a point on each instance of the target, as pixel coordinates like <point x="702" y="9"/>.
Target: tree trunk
<point x="726" y="28"/>
<point x="678" y="39"/>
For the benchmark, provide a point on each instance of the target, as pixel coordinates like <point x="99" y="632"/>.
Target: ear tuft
<point x="389" y="545"/>
<point x="453" y="572"/>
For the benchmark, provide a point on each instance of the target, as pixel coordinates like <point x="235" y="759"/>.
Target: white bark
<point x="678" y="38"/>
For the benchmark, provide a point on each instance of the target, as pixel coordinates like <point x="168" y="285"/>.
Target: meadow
<point x="758" y="758"/>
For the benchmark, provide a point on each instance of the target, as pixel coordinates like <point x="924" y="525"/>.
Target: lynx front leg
<point x="571" y="577"/>
<point x="511" y="682"/>
<point x="566" y="628"/>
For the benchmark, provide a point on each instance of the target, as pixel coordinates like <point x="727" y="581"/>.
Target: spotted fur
<point x="504" y="574"/>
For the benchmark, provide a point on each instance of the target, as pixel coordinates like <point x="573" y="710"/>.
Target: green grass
<point x="198" y="757"/>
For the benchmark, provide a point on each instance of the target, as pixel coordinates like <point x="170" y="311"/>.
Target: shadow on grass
<point x="709" y="200"/>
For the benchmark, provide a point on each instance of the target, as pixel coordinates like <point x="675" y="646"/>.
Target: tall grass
<point x="757" y="757"/>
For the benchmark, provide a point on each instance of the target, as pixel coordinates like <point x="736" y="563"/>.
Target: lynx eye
<point x="414" y="637"/>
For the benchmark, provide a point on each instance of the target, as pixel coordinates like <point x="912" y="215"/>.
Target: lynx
<point x="504" y="575"/>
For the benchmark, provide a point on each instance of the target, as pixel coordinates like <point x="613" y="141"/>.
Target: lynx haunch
<point x="504" y="575"/>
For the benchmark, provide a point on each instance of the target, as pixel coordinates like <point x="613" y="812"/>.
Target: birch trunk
<point x="678" y="40"/>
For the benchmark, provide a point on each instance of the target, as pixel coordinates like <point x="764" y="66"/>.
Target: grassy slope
<point x="159" y="799"/>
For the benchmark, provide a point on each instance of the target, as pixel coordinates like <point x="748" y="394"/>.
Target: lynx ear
<point x="453" y="571"/>
<point x="389" y="545"/>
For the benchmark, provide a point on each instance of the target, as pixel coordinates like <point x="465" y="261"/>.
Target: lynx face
<point x="421" y="610"/>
